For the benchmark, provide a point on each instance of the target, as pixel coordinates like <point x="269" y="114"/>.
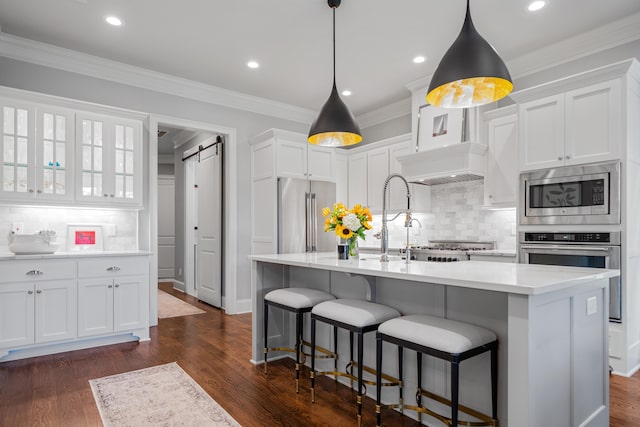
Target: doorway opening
<point x="201" y="145"/>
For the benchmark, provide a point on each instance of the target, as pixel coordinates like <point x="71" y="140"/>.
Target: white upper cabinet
<point x="342" y="177"/>
<point x="110" y="160"/>
<point x="37" y="151"/>
<point x="377" y="172"/>
<point x="358" y="178"/>
<point x="574" y="127"/>
<point x="297" y="159"/>
<point x="18" y="149"/>
<point x="501" y="179"/>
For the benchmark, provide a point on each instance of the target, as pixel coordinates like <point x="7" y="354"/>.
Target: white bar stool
<point x="358" y="317"/>
<point x="444" y="339"/>
<point x="298" y="301"/>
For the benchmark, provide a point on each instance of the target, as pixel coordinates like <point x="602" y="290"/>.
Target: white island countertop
<point x="524" y="279"/>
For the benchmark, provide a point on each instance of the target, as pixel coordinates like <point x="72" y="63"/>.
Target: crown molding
<point x="47" y="55"/>
<point x="386" y="113"/>
<point x="597" y="40"/>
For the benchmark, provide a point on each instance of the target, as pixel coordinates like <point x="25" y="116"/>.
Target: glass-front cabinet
<point x="110" y="159"/>
<point x="37" y="151"/>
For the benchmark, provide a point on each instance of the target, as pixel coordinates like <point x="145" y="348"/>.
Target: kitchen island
<point x="551" y="323"/>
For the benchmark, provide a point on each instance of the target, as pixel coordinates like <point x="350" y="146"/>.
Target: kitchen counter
<point x="525" y="279"/>
<point x="496" y="252"/>
<point x="551" y="324"/>
<point x="71" y="254"/>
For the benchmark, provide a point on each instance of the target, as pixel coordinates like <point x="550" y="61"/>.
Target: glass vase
<point x="352" y="244"/>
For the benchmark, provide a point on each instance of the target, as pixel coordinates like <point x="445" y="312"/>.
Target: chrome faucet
<point x="407" y="222"/>
<point x="408" y="246"/>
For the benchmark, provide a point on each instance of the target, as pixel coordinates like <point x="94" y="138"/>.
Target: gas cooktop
<point x="448" y="250"/>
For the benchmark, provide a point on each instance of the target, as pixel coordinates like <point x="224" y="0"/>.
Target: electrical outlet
<point x="592" y="306"/>
<point x="17" y="227"/>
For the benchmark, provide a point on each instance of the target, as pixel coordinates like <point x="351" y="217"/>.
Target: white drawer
<point x="30" y="270"/>
<point x="113" y="266"/>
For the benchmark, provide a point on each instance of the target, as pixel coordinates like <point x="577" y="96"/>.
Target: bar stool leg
<point x="494" y="383"/>
<point x="351" y="358"/>
<point x="335" y="352"/>
<point x="266" y="334"/>
<point x="313" y="360"/>
<point x="400" y="384"/>
<point x="360" y="361"/>
<point x="378" y="379"/>
<point x="419" y="393"/>
<point x="455" y="373"/>
<point x="297" y="348"/>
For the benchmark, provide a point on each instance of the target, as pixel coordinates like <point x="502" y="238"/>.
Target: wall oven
<point x="590" y="249"/>
<point x="587" y="194"/>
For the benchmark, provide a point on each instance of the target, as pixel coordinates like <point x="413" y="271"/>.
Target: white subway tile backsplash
<point x="56" y="219"/>
<point x="456" y="214"/>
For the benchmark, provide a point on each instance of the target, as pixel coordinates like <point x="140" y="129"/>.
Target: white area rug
<point x="170" y="306"/>
<point x="162" y="395"/>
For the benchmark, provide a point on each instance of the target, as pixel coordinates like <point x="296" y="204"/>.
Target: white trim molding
<point x="47" y="55"/>
<point x="386" y="113"/>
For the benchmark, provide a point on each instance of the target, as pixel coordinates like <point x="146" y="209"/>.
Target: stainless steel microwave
<point x="586" y="194"/>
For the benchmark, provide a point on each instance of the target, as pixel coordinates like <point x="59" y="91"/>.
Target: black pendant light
<point x="470" y="74"/>
<point x="335" y="126"/>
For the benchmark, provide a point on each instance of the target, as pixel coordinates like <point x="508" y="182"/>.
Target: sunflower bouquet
<point x="348" y="224"/>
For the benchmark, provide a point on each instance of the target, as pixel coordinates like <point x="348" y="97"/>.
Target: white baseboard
<point x="243" y="306"/>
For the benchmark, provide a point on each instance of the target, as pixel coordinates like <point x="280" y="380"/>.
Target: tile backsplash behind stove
<point x="456" y="214"/>
<point x="125" y="223"/>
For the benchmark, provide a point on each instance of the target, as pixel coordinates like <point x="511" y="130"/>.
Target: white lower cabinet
<point x="37" y="303"/>
<point x="117" y="301"/>
<point x="48" y="306"/>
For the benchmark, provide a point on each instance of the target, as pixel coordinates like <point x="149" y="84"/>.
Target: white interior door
<point x="209" y="208"/>
<point x="166" y="227"/>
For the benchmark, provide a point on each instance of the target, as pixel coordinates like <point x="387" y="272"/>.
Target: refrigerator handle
<point x="307" y="213"/>
<point x="314" y="224"/>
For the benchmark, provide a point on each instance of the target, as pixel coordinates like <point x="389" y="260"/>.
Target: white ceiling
<point x="210" y="41"/>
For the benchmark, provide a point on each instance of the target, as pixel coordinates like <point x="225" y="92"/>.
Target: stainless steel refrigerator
<point x="300" y="220"/>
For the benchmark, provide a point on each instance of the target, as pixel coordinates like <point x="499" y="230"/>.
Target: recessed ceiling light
<point x="419" y="59"/>
<point x="113" y="20"/>
<point x="346" y="92"/>
<point x="536" y="5"/>
<point x="253" y="64"/>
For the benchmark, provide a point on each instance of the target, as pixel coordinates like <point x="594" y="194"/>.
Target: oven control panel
<point x="568" y="237"/>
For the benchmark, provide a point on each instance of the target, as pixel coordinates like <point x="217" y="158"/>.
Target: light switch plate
<point x="17" y="227"/>
<point x="592" y="306"/>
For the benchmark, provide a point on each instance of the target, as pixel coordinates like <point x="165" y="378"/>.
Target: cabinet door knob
<point x="567" y="157"/>
<point x="117" y="285"/>
<point x="30" y="292"/>
<point x="490" y="196"/>
<point x="109" y="286"/>
<point x="111" y="195"/>
<point x="113" y="268"/>
<point x="31" y="190"/>
<point x="559" y="157"/>
<point x="39" y="191"/>
<point x="105" y="195"/>
<point x="39" y="291"/>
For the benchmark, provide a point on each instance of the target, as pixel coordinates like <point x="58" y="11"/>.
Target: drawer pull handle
<point x="30" y="292"/>
<point x="114" y="268"/>
<point x="109" y="286"/>
<point x="34" y="273"/>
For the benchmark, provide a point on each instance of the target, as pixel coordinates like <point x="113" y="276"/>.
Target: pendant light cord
<point x="334" y="46"/>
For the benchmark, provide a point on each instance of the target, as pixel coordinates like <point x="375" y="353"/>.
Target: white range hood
<point x="465" y="161"/>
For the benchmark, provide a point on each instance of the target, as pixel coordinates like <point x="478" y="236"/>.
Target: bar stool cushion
<point x="298" y="297"/>
<point x="355" y="312"/>
<point x="450" y="336"/>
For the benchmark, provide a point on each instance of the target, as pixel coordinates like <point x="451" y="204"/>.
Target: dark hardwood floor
<point x="215" y="350"/>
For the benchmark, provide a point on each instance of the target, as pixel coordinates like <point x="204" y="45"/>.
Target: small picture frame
<point x="438" y="127"/>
